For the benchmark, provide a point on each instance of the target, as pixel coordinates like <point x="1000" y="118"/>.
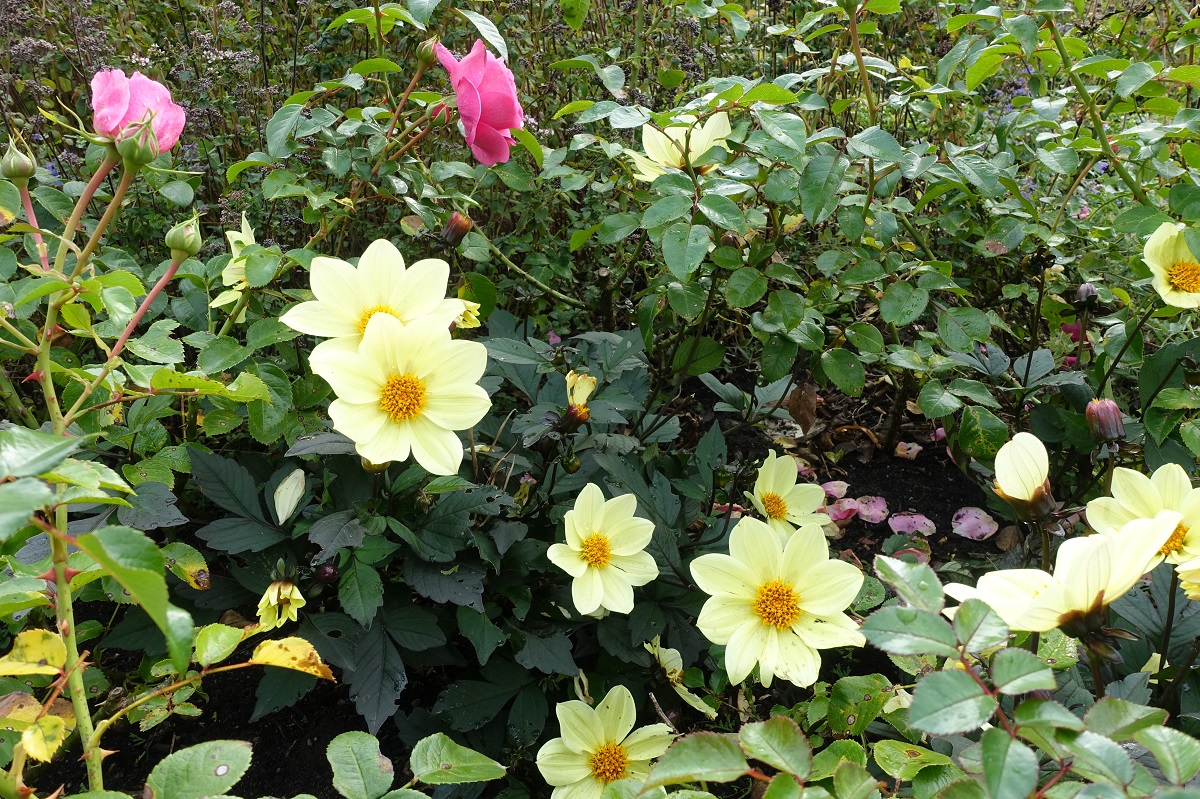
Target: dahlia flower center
<point x="1175" y="542"/>
<point x="1185" y="276"/>
<point x="777" y="604"/>
<point x="608" y="763"/>
<point x="774" y="505"/>
<point x="367" y="313"/>
<point x="403" y="397"/>
<point x="596" y="550"/>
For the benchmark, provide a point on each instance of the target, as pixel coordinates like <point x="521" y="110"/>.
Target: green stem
<point x="13" y="400"/>
<point x="1129" y="337"/>
<point x="558" y="295"/>
<point x="31" y="217"/>
<point x="1164" y="648"/>
<point x="1094" y="113"/>
<point x="235" y="313"/>
<point x="862" y="68"/>
<point x="89" y="191"/>
<point x="114" y="206"/>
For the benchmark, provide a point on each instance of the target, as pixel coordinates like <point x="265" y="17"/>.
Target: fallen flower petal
<point x="974" y="523"/>
<point x="872" y="509"/>
<point x="835" y="489"/>
<point x="912" y="523"/>
<point x="908" y="451"/>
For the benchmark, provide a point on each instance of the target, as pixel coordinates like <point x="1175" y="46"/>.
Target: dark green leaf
<point x="360" y="770"/>
<point x="780" y="743"/>
<point x="1010" y="768"/>
<point x="207" y="769"/>
<point x="949" y="702"/>
<point x="699" y="757"/>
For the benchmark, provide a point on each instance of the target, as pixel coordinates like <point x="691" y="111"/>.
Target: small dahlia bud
<point x="1086" y="294"/>
<point x="579" y="389"/>
<point x="16" y="165"/>
<point x="571" y="463"/>
<point x="374" y="468"/>
<point x="457" y="227"/>
<point x="326" y="573"/>
<point x="184" y="239"/>
<point x="427" y="52"/>
<point x="1104" y="420"/>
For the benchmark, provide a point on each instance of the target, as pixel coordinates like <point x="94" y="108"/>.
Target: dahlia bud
<point x="579" y="389"/>
<point x="1104" y="420"/>
<point x="184" y="239"/>
<point x="457" y="227"/>
<point x="1086" y="295"/>
<point x="427" y="52"/>
<point x="16" y="165"/>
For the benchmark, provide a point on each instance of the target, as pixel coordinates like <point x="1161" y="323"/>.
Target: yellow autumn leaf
<point x="34" y="652"/>
<point x="43" y="738"/>
<point x="292" y="653"/>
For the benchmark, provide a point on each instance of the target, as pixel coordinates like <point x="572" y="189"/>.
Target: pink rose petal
<point x="908" y="451"/>
<point x="912" y="523"/>
<point x="938" y="435"/>
<point x="872" y="509"/>
<point x="974" y="523"/>
<point x="835" y="489"/>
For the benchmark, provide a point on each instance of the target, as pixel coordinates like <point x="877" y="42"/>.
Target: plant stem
<point x="1164" y="647"/>
<point x="31" y="217"/>
<point x="89" y="191"/>
<point x="1129" y="336"/>
<point x="114" y="206"/>
<point x="235" y="313"/>
<point x="13" y="400"/>
<point x="558" y="295"/>
<point x="1094" y="113"/>
<point x="862" y="68"/>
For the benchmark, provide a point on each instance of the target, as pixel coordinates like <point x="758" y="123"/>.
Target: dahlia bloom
<point x="1175" y="267"/>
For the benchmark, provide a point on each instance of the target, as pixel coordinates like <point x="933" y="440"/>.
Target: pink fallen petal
<point x="974" y="523"/>
<point x="908" y="451"/>
<point x="843" y="510"/>
<point x="872" y="509"/>
<point x="912" y="523"/>
<point x="938" y="435"/>
<point x="835" y="489"/>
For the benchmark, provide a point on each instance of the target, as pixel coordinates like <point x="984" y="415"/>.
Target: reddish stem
<point x="43" y="253"/>
<point x="151" y="296"/>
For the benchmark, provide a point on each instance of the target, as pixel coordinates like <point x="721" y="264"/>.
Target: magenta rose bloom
<point x="487" y="101"/>
<point x="121" y="104"/>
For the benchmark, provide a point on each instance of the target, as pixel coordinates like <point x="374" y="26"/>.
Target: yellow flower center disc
<point x="777" y="604"/>
<point x="596" y="550"/>
<point x="775" y="506"/>
<point x="402" y="397"/>
<point x="1185" y="276"/>
<point x="608" y="763"/>
<point x="1175" y="542"/>
<point x="369" y="312"/>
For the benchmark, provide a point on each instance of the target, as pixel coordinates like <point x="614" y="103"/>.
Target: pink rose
<point x="120" y="103"/>
<point x="487" y="101"/>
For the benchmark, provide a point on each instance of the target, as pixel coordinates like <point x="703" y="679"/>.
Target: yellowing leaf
<point x="293" y="653"/>
<point x="43" y="738"/>
<point x="18" y="710"/>
<point x="34" y="652"/>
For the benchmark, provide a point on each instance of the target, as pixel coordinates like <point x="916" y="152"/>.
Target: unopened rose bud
<point x="1086" y="295"/>
<point x="1104" y="420"/>
<point x="440" y="115"/>
<point x="457" y="227"/>
<point x="184" y="240"/>
<point x="427" y="52"/>
<point x="140" y="147"/>
<point x="16" y="165"/>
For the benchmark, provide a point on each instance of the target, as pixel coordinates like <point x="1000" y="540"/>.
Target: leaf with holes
<point x="207" y="769"/>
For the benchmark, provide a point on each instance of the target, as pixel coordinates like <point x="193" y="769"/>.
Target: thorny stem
<point x="114" y="206"/>
<point x="89" y="191"/>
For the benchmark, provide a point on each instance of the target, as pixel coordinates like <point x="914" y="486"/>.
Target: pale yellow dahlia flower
<point x="670" y="661"/>
<point x="234" y="273"/>
<point x="679" y="145"/>
<point x="1090" y="573"/>
<point x="348" y="297"/>
<point x="599" y="746"/>
<point x="776" y="605"/>
<point x="279" y="604"/>
<point x="785" y="504"/>
<point x="406" y="390"/>
<point x="605" y="551"/>
<point x="1174" y="266"/>
<point x="1136" y="496"/>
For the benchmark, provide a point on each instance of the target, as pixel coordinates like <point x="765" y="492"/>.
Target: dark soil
<point x="289" y="745"/>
